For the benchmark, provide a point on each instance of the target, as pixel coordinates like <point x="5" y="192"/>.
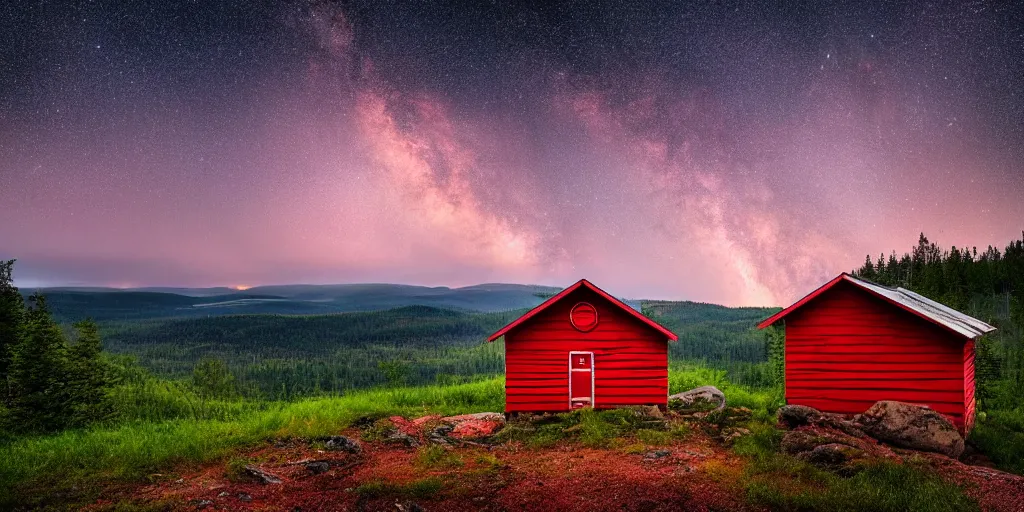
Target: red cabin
<point x="852" y="343"/>
<point x="582" y="348"/>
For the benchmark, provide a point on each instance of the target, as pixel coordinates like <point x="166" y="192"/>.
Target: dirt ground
<point x="504" y="477"/>
<point x="698" y="474"/>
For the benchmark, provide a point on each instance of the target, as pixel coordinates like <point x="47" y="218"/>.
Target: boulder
<point x="794" y="416"/>
<point x="343" y="444"/>
<point x="911" y="426"/>
<point x="698" y="396"/>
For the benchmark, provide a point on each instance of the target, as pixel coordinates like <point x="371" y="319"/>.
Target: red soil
<point x="699" y="474"/>
<point x="503" y="478"/>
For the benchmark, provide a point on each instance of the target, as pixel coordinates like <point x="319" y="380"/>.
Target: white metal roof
<point x="966" y="325"/>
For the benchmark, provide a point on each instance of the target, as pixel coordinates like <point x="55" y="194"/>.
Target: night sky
<point x="723" y="153"/>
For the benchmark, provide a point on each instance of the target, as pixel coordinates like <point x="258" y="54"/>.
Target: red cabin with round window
<point x="583" y="348"/>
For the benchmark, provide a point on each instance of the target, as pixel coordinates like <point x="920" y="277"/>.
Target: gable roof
<point x="917" y="304"/>
<point x="583" y="283"/>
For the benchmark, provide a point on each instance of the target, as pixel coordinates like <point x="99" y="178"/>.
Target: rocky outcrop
<point x="468" y="426"/>
<point x="911" y="426"/>
<point x="794" y="416"/>
<point x="698" y="397"/>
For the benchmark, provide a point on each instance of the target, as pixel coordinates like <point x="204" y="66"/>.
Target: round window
<point x="583" y="317"/>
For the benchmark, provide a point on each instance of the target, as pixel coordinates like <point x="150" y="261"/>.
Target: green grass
<point x="436" y="457"/>
<point x="1000" y="436"/>
<point x="417" y="489"/>
<point x="782" y="482"/>
<point x="877" y="487"/>
<point x="134" y="450"/>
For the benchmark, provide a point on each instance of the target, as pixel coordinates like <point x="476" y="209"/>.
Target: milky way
<point x="726" y="153"/>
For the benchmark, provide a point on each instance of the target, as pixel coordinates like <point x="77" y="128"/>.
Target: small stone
<point x="262" y="475"/>
<point x="731" y="434"/>
<point x="342" y="443"/>
<point x="224" y="494"/>
<point x="657" y="454"/>
<point x="318" y="467"/>
<point x="203" y="504"/>
<point x="244" y="497"/>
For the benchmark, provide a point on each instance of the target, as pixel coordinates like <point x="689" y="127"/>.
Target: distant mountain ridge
<point x="74" y="303"/>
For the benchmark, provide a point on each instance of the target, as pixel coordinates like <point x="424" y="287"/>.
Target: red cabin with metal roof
<point x="852" y="343"/>
<point x="583" y="348"/>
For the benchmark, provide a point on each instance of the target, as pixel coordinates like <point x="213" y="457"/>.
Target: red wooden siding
<point x="846" y="349"/>
<point x="630" y="358"/>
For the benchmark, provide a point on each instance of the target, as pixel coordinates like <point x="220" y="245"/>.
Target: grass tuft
<point x="437" y="457"/>
<point x="416" y="489"/>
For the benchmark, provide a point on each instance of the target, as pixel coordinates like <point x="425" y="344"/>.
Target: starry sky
<point x="721" y="152"/>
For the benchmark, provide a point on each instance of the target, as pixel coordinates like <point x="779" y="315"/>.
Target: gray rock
<point x="794" y="416"/>
<point x="224" y="494"/>
<point x="696" y="396"/>
<point x="397" y="436"/>
<point x="799" y="441"/>
<point x="244" y="497"/>
<point x="657" y="454"/>
<point x="203" y="504"/>
<point x="440" y="434"/>
<point x="261" y="475"/>
<point x="911" y="426"/>
<point x="318" y="467"/>
<point x="342" y="444"/>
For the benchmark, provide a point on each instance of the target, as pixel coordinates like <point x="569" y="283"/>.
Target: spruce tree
<point x="11" y="312"/>
<point x="88" y="377"/>
<point x="39" y="372"/>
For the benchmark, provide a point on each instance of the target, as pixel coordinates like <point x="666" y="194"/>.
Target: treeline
<point x="719" y="337"/>
<point x="988" y="285"/>
<point x="47" y="382"/>
<point x="281" y="357"/>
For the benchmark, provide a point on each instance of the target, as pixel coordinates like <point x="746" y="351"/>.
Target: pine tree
<point x="11" y="312"/>
<point x="39" y="372"/>
<point x="89" y="377"/>
<point x="212" y="378"/>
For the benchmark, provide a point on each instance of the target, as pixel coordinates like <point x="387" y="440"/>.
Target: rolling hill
<point x="113" y="304"/>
